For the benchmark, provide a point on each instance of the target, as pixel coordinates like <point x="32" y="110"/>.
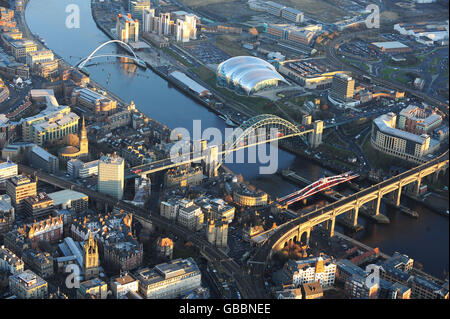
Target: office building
<point x="137" y="8"/>
<point x="76" y="168"/>
<point x="50" y="126"/>
<point x="111" y="175"/>
<point x="127" y="28"/>
<point x="92" y="289"/>
<point x="122" y="285"/>
<point x="20" y="187"/>
<point x="418" y="120"/>
<point x="183" y="176"/>
<point x="7" y="215"/>
<point x="164" y="22"/>
<point x="312" y="290"/>
<point x="38" y="57"/>
<point x="94" y="100"/>
<point x="20" y="48"/>
<point x="292" y="14"/>
<point x="219" y="208"/>
<point x="38" y="206"/>
<point x="148" y="16"/>
<point x="8" y="169"/>
<point x="387" y="138"/>
<point x="28" y="285"/>
<point x="169" y="280"/>
<point x="42" y="159"/>
<point x="69" y="199"/>
<point x="274" y="8"/>
<point x="310" y="73"/>
<point x="190" y="215"/>
<point x="342" y="87"/>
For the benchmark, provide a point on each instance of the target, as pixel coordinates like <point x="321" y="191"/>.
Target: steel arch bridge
<point x="91" y="56"/>
<point x="249" y="129"/>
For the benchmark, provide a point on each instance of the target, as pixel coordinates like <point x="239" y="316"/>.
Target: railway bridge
<point x="299" y="229"/>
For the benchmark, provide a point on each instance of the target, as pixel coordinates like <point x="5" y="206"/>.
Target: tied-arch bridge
<point x="299" y="229"/>
<point x="256" y="130"/>
<point x="81" y="64"/>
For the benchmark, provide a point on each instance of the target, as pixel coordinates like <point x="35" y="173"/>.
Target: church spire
<point x="83" y="130"/>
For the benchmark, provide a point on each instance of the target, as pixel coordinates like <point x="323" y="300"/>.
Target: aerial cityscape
<point x="224" y="149"/>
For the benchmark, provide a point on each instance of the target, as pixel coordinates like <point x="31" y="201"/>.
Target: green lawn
<point x="433" y="67"/>
<point x="387" y="72"/>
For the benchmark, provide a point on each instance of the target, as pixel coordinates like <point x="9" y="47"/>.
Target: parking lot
<point x="207" y="53"/>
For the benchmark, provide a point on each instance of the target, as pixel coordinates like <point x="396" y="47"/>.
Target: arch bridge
<point x="81" y="64"/>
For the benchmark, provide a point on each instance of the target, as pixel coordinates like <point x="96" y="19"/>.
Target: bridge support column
<point x="354" y="215"/>
<point x="212" y="160"/>
<point x="399" y="194"/>
<point x="330" y="226"/>
<point x="315" y="138"/>
<point x="417" y="189"/>
<point x="435" y="176"/>
<point x="377" y="208"/>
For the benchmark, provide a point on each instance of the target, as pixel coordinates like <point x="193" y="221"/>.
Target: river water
<point x="425" y="239"/>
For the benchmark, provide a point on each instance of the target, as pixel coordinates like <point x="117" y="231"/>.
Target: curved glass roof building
<point x="247" y="74"/>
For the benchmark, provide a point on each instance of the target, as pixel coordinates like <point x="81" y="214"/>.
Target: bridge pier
<point x="417" y="187"/>
<point x="330" y="226"/>
<point x="354" y="215"/>
<point x="377" y="208"/>
<point x="435" y="177"/>
<point x="399" y="194"/>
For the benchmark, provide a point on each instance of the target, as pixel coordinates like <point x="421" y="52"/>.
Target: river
<point x="425" y="239"/>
